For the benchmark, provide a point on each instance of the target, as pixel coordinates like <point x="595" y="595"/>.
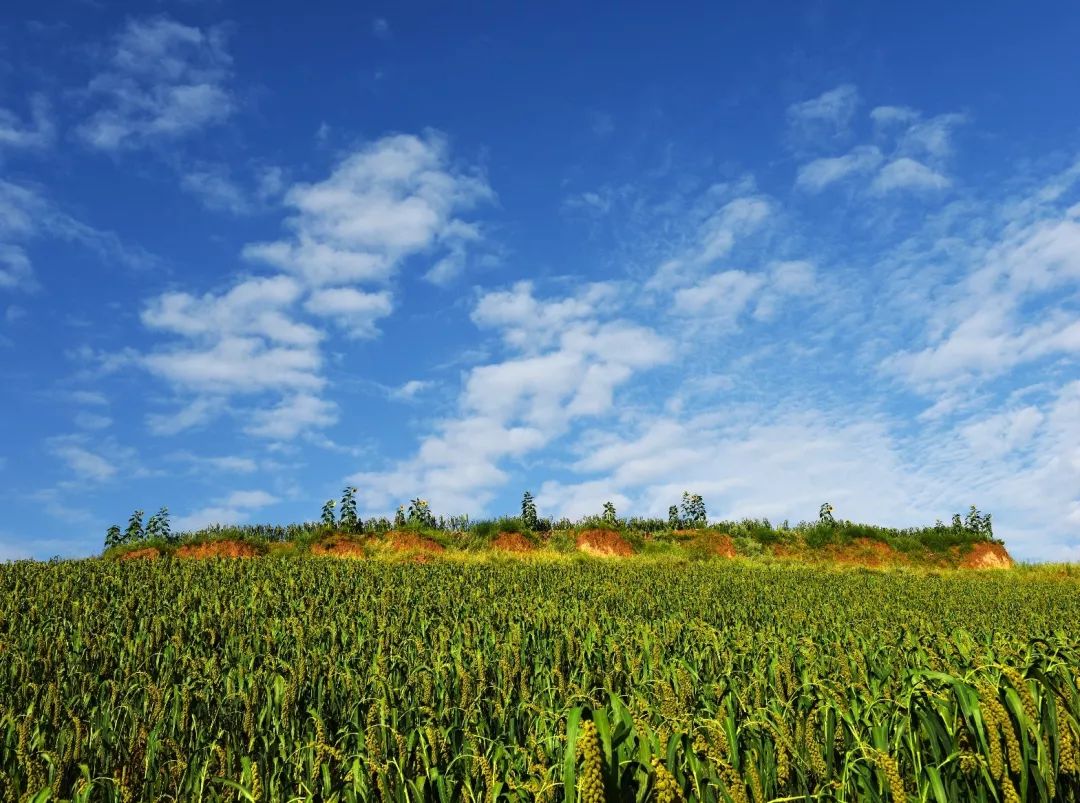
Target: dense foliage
<point x="323" y="679"/>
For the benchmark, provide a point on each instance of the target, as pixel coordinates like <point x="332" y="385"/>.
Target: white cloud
<point x="15" y="268"/>
<point x="725" y="295"/>
<point x="894" y="115"/>
<point x="391" y="199"/>
<point x="510" y="408"/>
<point x="164" y="81"/>
<point x="354" y="310"/>
<point x="241" y="341"/>
<point x="249" y="499"/>
<point x="380" y="28"/>
<point x="721" y="299"/>
<point x="735" y="219"/>
<point x="219" y="191"/>
<point x="91" y="397"/>
<point x="591" y="201"/>
<point x="982" y="331"/>
<point x="785" y="281"/>
<point x="199" y="411"/>
<point x="292" y="416"/>
<point x="985" y="344"/>
<point x="239" y="365"/>
<point x="528" y="323"/>
<point x="1023" y="465"/>
<point x="788" y="463"/>
<point x="907" y="174"/>
<point x="411" y="389"/>
<point x="255" y="306"/>
<point x="230" y="464"/>
<point x="829" y="114"/>
<point x="919" y="150"/>
<point x="932" y="138"/>
<point x="235" y="508"/>
<point x="92" y="421"/>
<point x="1002" y="433"/>
<point x="37" y="134"/>
<point x="83" y="463"/>
<point x="820" y="173"/>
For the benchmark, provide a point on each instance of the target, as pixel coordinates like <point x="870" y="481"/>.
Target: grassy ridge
<point x="939" y="545"/>
<point x="498" y="679"/>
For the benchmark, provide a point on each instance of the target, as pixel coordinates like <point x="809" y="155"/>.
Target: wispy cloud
<point x="37" y="133"/>
<point x="411" y="389"/>
<point x="826" y="117"/>
<point x="163" y="81"/>
<point x="907" y="174"/>
<point x="820" y="173"/>
<point x="220" y="191"/>
<point x="910" y="154"/>
<point x="82" y="463"/>
<point x="26" y="214"/>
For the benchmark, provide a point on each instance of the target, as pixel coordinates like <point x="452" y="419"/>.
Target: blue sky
<point x="824" y="252"/>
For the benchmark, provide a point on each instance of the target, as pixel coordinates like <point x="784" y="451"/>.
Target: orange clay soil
<point x="338" y="547"/>
<point x="987" y="556"/>
<point x="716" y="543"/>
<point x="512" y="542"/>
<point x="408" y="542"/>
<point x="218" y="549"/>
<point x="604" y="543"/>
<point x="860" y="552"/>
<point x="875" y="554"/>
<point x="148" y="553"/>
<point x="865" y="552"/>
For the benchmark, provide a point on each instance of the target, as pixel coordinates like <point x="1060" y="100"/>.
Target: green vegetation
<point x="491" y="678"/>
<point x="750" y="537"/>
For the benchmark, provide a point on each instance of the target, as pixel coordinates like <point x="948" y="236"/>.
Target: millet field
<point x="535" y="678"/>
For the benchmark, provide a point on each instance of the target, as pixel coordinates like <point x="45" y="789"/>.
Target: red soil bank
<point x="605" y="543"/>
<point x="218" y="549"/>
<point x="513" y="542"/>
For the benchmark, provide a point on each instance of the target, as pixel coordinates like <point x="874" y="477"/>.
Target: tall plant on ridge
<point x="528" y="512"/>
<point x="134" y="531"/>
<point x="327" y="517"/>
<point x="347" y="518"/>
<point x="420" y="513"/>
<point x="825" y="515"/>
<point x="610" y="517"/>
<point x="113" y="536"/>
<point x="157" y="526"/>
<point x="673" y="520"/>
<point x="693" y="510"/>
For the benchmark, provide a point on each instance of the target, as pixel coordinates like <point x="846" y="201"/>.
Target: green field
<point x="535" y="679"/>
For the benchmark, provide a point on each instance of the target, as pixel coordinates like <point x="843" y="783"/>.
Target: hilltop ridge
<point x="837" y="543"/>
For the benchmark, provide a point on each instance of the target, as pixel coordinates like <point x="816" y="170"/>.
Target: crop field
<point x="534" y="679"/>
